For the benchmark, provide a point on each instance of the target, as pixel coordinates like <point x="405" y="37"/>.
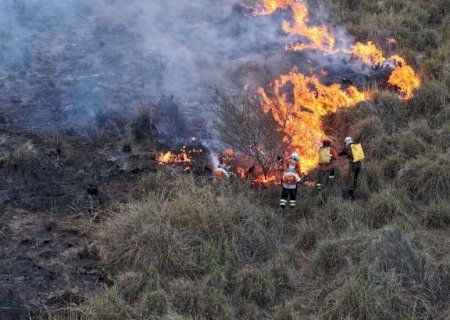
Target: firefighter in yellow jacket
<point x="355" y="155"/>
<point x="291" y="176"/>
<point x="327" y="155"/>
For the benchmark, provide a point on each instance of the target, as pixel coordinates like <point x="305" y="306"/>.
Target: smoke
<point x="67" y="60"/>
<point x="64" y="62"/>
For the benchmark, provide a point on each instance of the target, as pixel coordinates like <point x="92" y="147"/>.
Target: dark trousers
<point x="354" y="171"/>
<point x="325" y="173"/>
<point x="288" y="194"/>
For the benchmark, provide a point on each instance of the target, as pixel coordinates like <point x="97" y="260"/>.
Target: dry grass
<point x="427" y="178"/>
<point x="195" y="250"/>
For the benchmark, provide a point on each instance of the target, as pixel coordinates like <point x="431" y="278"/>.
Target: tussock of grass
<point x="429" y="99"/>
<point x="427" y="178"/>
<point x="387" y="205"/>
<point x="377" y="275"/>
<point x="436" y="215"/>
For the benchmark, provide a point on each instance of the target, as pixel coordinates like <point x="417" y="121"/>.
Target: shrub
<point x="153" y="304"/>
<point x="366" y="129"/>
<point x="358" y="298"/>
<point x="107" y="305"/>
<point x="387" y="205"/>
<point x="410" y="145"/>
<point x="391" y="110"/>
<point x="427" y="178"/>
<point x="198" y="301"/>
<point x="328" y="258"/>
<point x="306" y="237"/>
<point x="130" y="285"/>
<point x="429" y="99"/>
<point x="256" y="285"/>
<point x="143" y="125"/>
<point x="437" y="214"/>
<point x="284" y="312"/>
<point x="371" y="179"/>
<point x="392" y="165"/>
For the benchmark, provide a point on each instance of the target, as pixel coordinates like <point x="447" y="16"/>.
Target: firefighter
<point x="327" y="155"/>
<point x="224" y="168"/>
<point x="291" y="176"/>
<point x="355" y="155"/>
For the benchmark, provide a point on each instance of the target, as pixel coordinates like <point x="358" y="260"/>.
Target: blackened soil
<point x="48" y="183"/>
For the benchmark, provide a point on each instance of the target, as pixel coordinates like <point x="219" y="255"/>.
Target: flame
<point x="300" y="119"/>
<point x="404" y="78"/>
<point x="172" y="158"/>
<point x="318" y="36"/>
<point x="299" y="113"/>
<point x="369" y="53"/>
<point x="184" y="156"/>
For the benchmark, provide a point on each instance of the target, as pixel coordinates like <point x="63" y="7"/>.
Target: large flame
<point x="369" y="53"/>
<point x="300" y="116"/>
<point x="320" y="38"/>
<point x="299" y="113"/>
<point x="404" y="78"/>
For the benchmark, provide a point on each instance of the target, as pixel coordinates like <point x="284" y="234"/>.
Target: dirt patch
<point x="49" y="182"/>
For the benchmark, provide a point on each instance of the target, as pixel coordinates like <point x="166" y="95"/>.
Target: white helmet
<point x="295" y="157"/>
<point x="348" y="141"/>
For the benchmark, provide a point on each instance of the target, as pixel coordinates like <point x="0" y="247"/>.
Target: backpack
<point x="357" y="152"/>
<point x="325" y="155"/>
<point x="289" y="180"/>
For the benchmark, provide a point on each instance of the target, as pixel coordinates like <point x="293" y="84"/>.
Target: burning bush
<point x="243" y="124"/>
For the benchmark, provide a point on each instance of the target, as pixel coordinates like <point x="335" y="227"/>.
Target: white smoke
<point x="70" y="59"/>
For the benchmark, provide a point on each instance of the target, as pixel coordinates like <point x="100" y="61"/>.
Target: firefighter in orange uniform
<point x="291" y="176"/>
<point x="224" y="168"/>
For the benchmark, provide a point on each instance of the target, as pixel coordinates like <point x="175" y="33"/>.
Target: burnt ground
<point x="48" y="182"/>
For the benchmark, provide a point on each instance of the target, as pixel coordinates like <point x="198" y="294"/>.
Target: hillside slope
<point x="189" y="249"/>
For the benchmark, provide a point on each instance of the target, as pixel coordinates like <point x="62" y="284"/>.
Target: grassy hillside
<point x="187" y="249"/>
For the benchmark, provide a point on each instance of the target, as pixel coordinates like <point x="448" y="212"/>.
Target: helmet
<point x="229" y="153"/>
<point x="295" y="157"/>
<point x="348" y="141"/>
<point x="326" y="143"/>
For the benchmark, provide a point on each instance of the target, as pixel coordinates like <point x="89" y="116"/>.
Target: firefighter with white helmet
<point x="355" y="155"/>
<point x="291" y="177"/>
